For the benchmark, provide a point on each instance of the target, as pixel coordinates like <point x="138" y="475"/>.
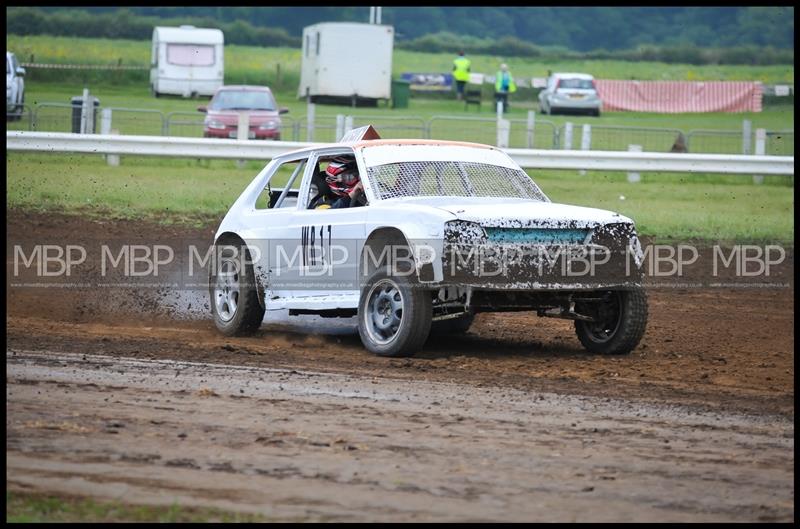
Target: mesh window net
<point x="452" y="178"/>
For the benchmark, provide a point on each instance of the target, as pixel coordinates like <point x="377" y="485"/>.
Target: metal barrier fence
<point x="184" y="124"/>
<point x="614" y="138"/>
<point x="135" y="122"/>
<point x="715" y="141"/>
<point x="52" y="117"/>
<point x="528" y="158"/>
<point x="19" y="120"/>
<point x="324" y="129"/>
<point x="532" y="133"/>
<point x="394" y="127"/>
<point x="478" y="130"/>
<point x="780" y="143"/>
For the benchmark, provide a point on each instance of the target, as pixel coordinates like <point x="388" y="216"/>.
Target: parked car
<point x="228" y="102"/>
<point x="441" y="218"/>
<point x="15" y="87"/>
<point x="570" y="92"/>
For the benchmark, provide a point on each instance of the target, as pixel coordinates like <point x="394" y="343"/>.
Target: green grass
<point x="41" y="508"/>
<point x="257" y="64"/>
<point x="664" y="206"/>
<point x="252" y="64"/>
<point x="684" y="206"/>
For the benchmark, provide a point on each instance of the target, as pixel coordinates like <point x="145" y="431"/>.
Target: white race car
<point x="441" y="231"/>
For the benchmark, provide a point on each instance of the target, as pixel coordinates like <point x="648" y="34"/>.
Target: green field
<point x="779" y="117"/>
<point x="256" y="64"/>
<point x="279" y="68"/>
<point x="178" y="190"/>
<point x="665" y="206"/>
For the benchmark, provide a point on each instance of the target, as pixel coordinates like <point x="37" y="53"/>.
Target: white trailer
<point x="346" y="60"/>
<point x="186" y="61"/>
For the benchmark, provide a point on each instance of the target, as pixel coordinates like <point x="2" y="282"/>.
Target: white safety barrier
<point x="528" y="158"/>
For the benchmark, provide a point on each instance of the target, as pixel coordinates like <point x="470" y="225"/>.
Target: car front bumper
<point x="253" y="134"/>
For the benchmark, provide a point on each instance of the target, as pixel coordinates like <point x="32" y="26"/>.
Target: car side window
<point x="282" y="189"/>
<point x="322" y="195"/>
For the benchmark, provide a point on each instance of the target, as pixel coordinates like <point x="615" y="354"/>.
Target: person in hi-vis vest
<point x="461" y="66"/>
<point x="504" y="85"/>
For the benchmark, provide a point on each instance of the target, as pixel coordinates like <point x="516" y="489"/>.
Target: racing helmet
<point x="341" y="175"/>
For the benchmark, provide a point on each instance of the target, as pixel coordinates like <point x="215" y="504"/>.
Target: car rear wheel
<point x="233" y="290"/>
<point x="394" y="314"/>
<point x="620" y="318"/>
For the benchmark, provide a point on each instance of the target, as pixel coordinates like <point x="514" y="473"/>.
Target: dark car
<point x="229" y="102"/>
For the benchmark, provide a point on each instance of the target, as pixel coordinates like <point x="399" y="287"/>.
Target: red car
<point x="229" y="102"/>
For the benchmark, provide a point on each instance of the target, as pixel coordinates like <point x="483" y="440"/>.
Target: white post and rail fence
<point x="110" y="144"/>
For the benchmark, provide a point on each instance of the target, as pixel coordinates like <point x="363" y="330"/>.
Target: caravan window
<point x="190" y="55"/>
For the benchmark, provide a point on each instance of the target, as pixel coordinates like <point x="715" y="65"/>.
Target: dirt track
<point x="710" y="356"/>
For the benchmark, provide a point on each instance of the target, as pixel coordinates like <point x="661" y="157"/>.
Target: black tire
<point x="622" y="319"/>
<point x="453" y="326"/>
<point x="405" y="310"/>
<point x="233" y="291"/>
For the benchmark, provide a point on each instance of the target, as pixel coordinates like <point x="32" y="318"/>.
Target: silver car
<point x="570" y="93"/>
<point x="15" y="87"/>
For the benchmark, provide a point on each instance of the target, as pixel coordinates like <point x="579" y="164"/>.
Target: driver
<point x="342" y="177"/>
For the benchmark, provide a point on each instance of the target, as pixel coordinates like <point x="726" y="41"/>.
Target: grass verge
<point x="188" y="191"/>
<point x="24" y="507"/>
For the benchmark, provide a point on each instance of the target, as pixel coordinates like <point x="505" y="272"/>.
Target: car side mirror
<point x="20" y="71"/>
<point x="202" y="109"/>
<point x="283" y="110"/>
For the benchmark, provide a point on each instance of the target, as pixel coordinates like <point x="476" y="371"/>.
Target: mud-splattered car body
<point x="449" y="229"/>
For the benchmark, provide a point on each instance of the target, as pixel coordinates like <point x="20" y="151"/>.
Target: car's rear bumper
<point x="575" y="104"/>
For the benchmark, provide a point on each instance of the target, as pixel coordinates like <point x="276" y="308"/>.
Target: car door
<point x="265" y="222"/>
<point x="331" y="241"/>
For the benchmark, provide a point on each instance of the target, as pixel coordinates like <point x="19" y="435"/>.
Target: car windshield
<point x="453" y="179"/>
<point x="242" y="100"/>
<point x="585" y="84"/>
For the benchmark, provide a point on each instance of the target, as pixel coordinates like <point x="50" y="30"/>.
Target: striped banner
<point x="674" y="97"/>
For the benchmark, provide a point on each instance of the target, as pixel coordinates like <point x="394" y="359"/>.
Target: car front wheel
<point x="234" y="295"/>
<point x="619" y="321"/>
<point x="394" y="314"/>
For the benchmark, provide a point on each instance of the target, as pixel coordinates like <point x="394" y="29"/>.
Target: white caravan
<point x="186" y="61"/>
<point x="346" y="60"/>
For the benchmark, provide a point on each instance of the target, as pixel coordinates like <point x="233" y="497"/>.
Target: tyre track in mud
<point x="299" y="445"/>
<point x="113" y="393"/>
<point x="724" y="348"/>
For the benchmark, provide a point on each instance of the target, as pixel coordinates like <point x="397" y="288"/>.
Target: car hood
<point x="532" y="214"/>
<point x="520" y="213"/>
